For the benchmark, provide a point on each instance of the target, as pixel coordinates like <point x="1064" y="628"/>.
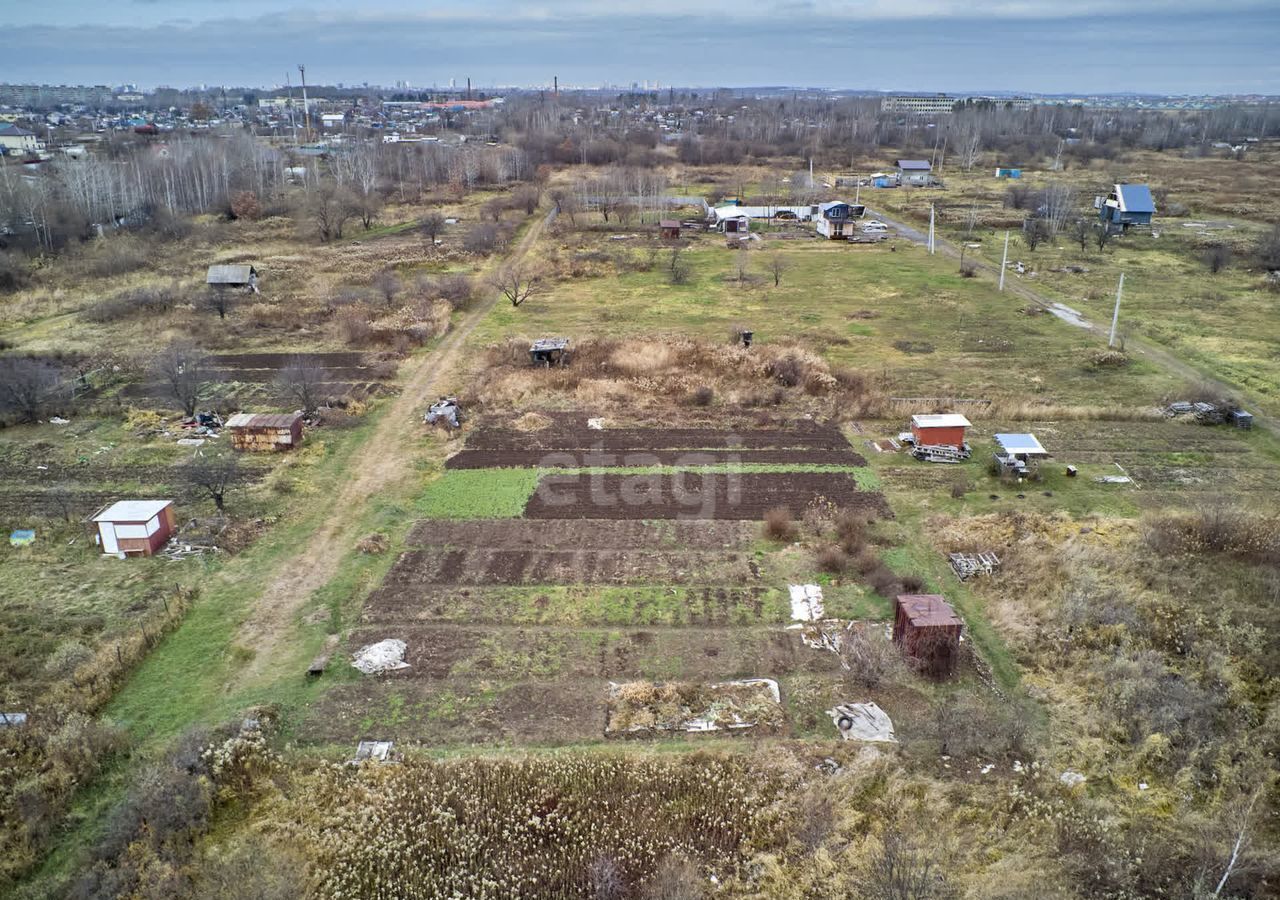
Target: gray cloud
<point x="1187" y="52"/>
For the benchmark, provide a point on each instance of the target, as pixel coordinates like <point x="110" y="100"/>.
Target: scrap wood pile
<point x="645" y="706"/>
<point x="967" y="565"/>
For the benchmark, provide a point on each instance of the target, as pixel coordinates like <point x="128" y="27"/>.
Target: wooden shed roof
<point x="263" y="420"/>
<point x="928" y="610"/>
<point x="230" y="274"/>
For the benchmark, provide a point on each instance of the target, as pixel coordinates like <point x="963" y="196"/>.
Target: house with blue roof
<point x="1127" y="205"/>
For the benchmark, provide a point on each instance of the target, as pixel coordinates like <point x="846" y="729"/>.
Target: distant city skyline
<point x="1034" y="46"/>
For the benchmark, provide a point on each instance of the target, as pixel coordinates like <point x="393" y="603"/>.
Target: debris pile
<point x="806" y="602"/>
<point x="863" y="722"/>
<point x="641" y="706"/>
<point x="966" y="565"/>
<point x="384" y="656"/>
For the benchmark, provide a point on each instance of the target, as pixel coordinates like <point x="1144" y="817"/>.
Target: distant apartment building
<point x="944" y="104"/>
<point x="919" y="104"/>
<point x="46" y="96"/>
<point x="280" y="104"/>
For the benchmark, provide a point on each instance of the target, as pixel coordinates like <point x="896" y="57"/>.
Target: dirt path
<point x="1154" y="352"/>
<point x="374" y="467"/>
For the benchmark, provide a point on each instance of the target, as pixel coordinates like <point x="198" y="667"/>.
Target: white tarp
<point x="806" y="602"/>
<point x="384" y="656"/>
<point x="863" y="722"/>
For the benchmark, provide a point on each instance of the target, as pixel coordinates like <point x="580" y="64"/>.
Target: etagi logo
<point x="691" y="488"/>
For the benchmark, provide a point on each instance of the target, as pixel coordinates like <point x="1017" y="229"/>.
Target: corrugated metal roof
<point x="229" y="274"/>
<point x="8" y="130"/>
<point x="1135" y="198"/>
<point x="928" y="610"/>
<point x="131" y="510"/>
<point x="940" y="420"/>
<point x="915" y="164"/>
<point x="263" y="420"/>
<point x="1021" y="444"/>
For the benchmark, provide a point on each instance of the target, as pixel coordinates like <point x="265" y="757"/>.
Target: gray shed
<point x="233" y="276"/>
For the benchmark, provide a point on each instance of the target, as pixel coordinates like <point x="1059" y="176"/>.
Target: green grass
<point x="858" y="306"/>
<point x="477" y="494"/>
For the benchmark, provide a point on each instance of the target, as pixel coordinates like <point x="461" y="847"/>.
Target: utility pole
<point x="931" y="244"/>
<point x="1115" y="316"/>
<point x="1004" y="261"/>
<point x="306" y="113"/>
<point x="555" y="86"/>
<point x="293" y="118"/>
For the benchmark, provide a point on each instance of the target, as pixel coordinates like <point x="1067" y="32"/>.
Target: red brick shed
<point x="669" y="228"/>
<point x="939" y="430"/>
<point x="265" y="431"/>
<point x="928" y="631"/>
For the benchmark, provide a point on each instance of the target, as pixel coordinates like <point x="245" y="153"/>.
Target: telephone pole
<point x="306" y="113"/>
<point x="1115" y="316"/>
<point x="931" y="244"/>
<point x="1004" y="260"/>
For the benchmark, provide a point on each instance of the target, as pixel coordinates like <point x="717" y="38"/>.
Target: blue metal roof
<point x="1135" y="198"/>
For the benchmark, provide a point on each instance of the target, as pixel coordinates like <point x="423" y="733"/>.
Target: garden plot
<point x="253" y="375"/>
<point x="575" y="458"/>
<point x="695" y="496"/>
<point x="583" y="534"/>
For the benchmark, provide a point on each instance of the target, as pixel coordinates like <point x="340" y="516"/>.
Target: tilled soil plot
<point x="343" y="372"/>
<point x="695" y="495"/>
<point x="517" y="653"/>
<point x="676" y="606"/>
<point x="598" y="457"/>
<point x="573" y="434"/>
<point x="438" y="565"/>
<point x="609" y="534"/>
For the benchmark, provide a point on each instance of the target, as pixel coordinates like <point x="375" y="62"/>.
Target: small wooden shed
<point x="669" y="229"/>
<point x="928" y="631"/>
<point x="265" y="431"/>
<point x="133" y="527"/>
<point x="939" y="430"/>
<point x="242" y="277"/>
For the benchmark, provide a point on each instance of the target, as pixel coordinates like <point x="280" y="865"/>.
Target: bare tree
<point x="1034" y="232"/>
<point x="1058" y="202"/>
<point x="183" y="369"/>
<point x="678" y="270"/>
<point x="1103" y="235"/>
<point x="1082" y="230"/>
<point x="742" y="265"/>
<point x="776" y="264"/>
<point x="431" y="226"/>
<point x="625" y="212"/>
<point x="25" y="387"/>
<point x="494" y="209"/>
<point x="329" y="208"/>
<point x="213" y="474"/>
<point x="387" y="283"/>
<point x="516" y="282"/>
<point x="218" y="298"/>
<point x="527" y="198"/>
<point x="483" y="238"/>
<point x="1217" y="257"/>
<point x="302" y="381"/>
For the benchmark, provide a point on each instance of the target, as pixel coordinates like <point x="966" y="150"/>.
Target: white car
<point x="875" y="228"/>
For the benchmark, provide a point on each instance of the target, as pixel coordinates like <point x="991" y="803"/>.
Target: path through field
<point x="1157" y="354"/>
<point x="374" y="467"/>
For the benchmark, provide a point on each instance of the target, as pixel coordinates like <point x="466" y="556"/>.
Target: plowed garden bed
<point x="695" y="496"/>
<point x="564" y="434"/>
<point x="581" y="535"/>
<point x="563" y="458"/>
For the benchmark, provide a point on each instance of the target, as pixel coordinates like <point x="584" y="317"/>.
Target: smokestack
<point x="555" y="81"/>
<point x="468" y="87"/>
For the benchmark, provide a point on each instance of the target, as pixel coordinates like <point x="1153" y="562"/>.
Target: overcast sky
<point x="1048" y="46"/>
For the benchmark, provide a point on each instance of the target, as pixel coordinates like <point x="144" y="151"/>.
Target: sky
<point x="1040" y="46"/>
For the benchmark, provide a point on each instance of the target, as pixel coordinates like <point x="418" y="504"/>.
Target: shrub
<point x="883" y="581"/>
<point x="245" y="205"/>
<point x="353" y="326"/>
<point x="869" y="658"/>
<point x="833" y="560"/>
<point x="959" y="487"/>
<point x="789" y="370"/>
<point x="703" y="395"/>
<point x="779" y="524"/>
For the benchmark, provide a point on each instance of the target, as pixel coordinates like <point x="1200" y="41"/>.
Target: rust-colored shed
<point x="669" y="228"/>
<point x="939" y="430"/>
<point x="928" y="631"/>
<point x="133" y="527"/>
<point x="265" y="431"/>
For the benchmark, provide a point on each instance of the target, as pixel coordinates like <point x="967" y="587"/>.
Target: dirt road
<point x="1154" y="352"/>
<point x="374" y="467"/>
